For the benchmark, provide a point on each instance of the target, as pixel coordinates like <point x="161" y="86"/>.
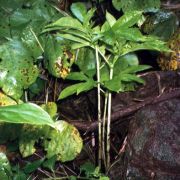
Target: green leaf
<point x="131" y="77"/>
<point x="32" y="166"/>
<point x="6" y="100"/>
<point x="104" y="178"/>
<point x="88" y="168"/>
<point x="110" y="19"/>
<point x="27" y="113"/>
<point x="79" y="76"/>
<point x="50" y="163"/>
<point x="65" y="22"/>
<point x="26" y="146"/>
<point x="77" y="88"/>
<point x="105" y="27"/>
<point x="17" y="69"/>
<point x="70" y="90"/>
<point x="19" y="16"/>
<point x="50" y="108"/>
<point x="114" y="84"/>
<point x="127" y="20"/>
<point x="74" y="38"/>
<point x="78" y="46"/>
<point x="59" y="57"/>
<point x="78" y="34"/>
<point x="131" y="34"/>
<point x="135" y="69"/>
<point x="37" y="87"/>
<point x="20" y="175"/>
<point x="155" y="44"/>
<point x="79" y="10"/>
<point x="104" y="73"/>
<point x="88" y="17"/>
<point x="29" y="135"/>
<point x="72" y="178"/>
<point x="5" y="168"/>
<point x="64" y="141"/>
<point x="88" y="85"/>
<point x="86" y="61"/>
<point x="124" y="62"/>
<point x="130" y="5"/>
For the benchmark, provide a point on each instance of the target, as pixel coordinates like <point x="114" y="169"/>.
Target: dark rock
<point x="153" y="143"/>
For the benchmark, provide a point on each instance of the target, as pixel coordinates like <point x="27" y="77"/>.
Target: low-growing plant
<point x="116" y="66"/>
<point x="106" y="60"/>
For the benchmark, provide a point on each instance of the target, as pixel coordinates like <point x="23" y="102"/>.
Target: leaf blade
<point x="25" y="113"/>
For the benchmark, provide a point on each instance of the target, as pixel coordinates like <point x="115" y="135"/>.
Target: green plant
<point x="21" y="48"/>
<point x="129" y="5"/>
<point x="104" y="55"/>
<point x="112" y="44"/>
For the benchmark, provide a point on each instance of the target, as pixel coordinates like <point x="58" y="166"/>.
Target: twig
<point x="116" y="116"/>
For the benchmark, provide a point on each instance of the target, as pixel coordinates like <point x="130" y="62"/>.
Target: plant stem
<point x="104" y="127"/>
<point x="99" y="109"/>
<point x="109" y="123"/>
<point x="37" y="40"/>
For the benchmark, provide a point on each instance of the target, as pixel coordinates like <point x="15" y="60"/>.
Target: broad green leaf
<point x="78" y="46"/>
<point x="32" y="166"/>
<point x="114" y="85"/>
<point x="77" y="33"/>
<point x="26" y="113"/>
<point x="124" y="62"/>
<point x="64" y="141"/>
<point x="104" y="73"/>
<point x="86" y="60"/>
<point x="88" y="16"/>
<point x="50" y="108"/>
<point x="110" y="19"/>
<point x="53" y="54"/>
<point x="77" y="88"/>
<point x="50" y="163"/>
<point x="17" y="69"/>
<point x="88" y="168"/>
<point x="105" y="27"/>
<point x="37" y="87"/>
<point x="59" y="57"/>
<point x="135" y="69"/>
<point x="5" y="100"/>
<point x="5" y="168"/>
<point x="65" y="22"/>
<point x="124" y="34"/>
<point x="88" y="85"/>
<point x="79" y="76"/>
<point x="127" y="20"/>
<point x="74" y="38"/>
<point x="28" y="136"/>
<point x="72" y="178"/>
<point x="130" y="34"/>
<point x="70" y="90"/>
<point x="155" y="44"/>
<point x="104" y="178"/>
<point x="79" y="10"/>
<point x="26" y="146"/>
<point x="131" y="77"/>
<point x="109" y="37"/>
<point x="20" y="175"/>
<point x="131" y="59"/>
<point x="19" y="15"/>
<point x="130" y="5"/>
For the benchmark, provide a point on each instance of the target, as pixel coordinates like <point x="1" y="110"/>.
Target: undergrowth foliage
<point x="34" y="37"/>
